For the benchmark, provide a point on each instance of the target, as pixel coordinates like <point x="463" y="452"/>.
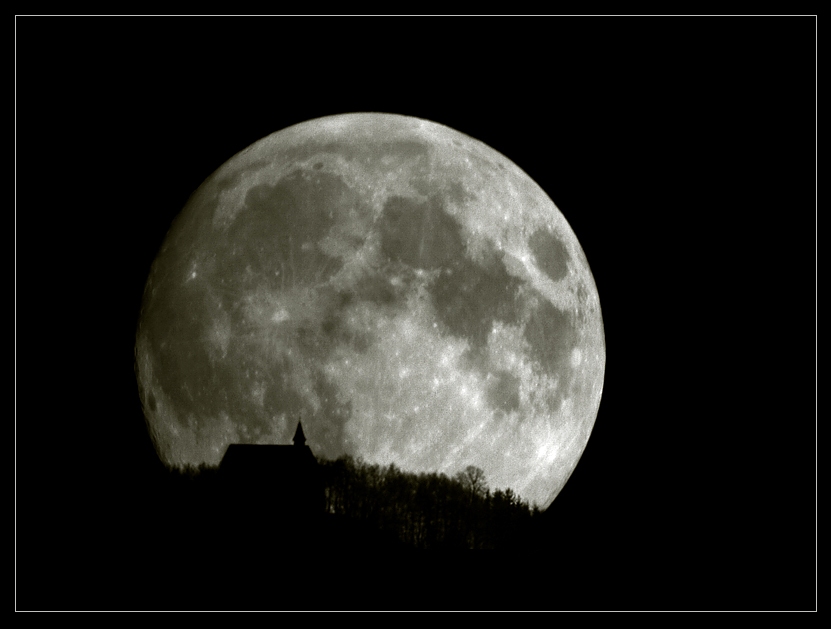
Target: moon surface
<point x="405" y="290"/>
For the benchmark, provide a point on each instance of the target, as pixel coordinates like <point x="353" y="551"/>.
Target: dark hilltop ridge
<point x="274" y="528"/>
<point x="268" y="493"/>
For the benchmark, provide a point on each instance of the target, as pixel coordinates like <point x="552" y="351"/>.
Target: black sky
<point x="680" y="150"/>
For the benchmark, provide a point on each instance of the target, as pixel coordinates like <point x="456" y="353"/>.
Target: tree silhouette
<point x="427" y="510"/>
<point x="472" y="478"/>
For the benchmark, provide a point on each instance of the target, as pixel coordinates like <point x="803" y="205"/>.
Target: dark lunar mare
<point x="279" y="229"/>
<point x="550" y="254"/>
<point x="469" y="296"/>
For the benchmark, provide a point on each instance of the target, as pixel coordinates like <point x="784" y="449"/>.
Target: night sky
<point x="681" y="152"/>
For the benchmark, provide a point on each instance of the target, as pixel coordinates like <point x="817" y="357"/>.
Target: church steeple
<point x="299" y="438"/>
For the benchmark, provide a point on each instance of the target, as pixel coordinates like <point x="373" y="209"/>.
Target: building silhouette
<point x="276" y="485"/>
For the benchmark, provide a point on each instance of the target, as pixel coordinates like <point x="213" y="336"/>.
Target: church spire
<point x="299" y="437"/>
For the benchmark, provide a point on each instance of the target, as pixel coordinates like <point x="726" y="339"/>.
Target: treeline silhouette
<point x="426" y="510"/>
<point x="377" y="506"/>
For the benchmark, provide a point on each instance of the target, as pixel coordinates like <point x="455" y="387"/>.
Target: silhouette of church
<point x="281" y="483"/>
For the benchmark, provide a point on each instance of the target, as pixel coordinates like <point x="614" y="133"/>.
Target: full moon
<point x="404" y="290"/>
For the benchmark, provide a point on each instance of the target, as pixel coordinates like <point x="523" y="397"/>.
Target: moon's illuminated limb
<point x="408" y="290"/>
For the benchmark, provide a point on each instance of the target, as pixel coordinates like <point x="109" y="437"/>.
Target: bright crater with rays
<point x="406" y="290"/>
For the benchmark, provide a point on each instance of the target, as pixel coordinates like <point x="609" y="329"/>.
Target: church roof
<point x="265" y="457"/>
<point x="268" y="458"/>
